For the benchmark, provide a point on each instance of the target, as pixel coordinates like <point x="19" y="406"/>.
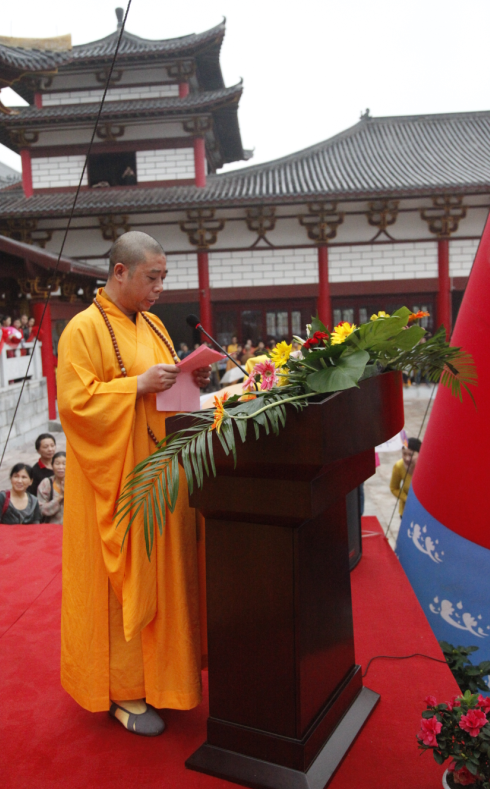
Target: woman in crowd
<point x="51" y="491"/>
<point x="46" y="447"/>
<point x="16" y="504"/>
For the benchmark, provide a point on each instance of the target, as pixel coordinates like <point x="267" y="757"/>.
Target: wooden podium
<point x="286" y="698"/>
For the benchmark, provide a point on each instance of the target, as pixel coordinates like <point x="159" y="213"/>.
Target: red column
<point x="46" y="339"/>
<point x="200" y="161"/>
<point x="204" y="293"/>
<point x="38" y="100"/>
<point x="324" y="305"/>
<point x="444" y="294"/>
<point x="25" y="157"/>
<point x="183" y="90"/>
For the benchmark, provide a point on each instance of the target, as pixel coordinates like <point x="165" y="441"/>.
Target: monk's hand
<point x="202" y="376"/>
<point x="157" y="379"/>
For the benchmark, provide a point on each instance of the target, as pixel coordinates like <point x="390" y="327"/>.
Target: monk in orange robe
<point x="130" y="627"/>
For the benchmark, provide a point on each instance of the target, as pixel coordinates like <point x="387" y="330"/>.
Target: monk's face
<point x="140" y="287"/>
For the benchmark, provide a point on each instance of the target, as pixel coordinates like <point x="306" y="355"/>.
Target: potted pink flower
<point x="459" y="730"/>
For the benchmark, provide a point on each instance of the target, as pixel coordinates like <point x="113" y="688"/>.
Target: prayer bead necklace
<point x="159" y="334"/>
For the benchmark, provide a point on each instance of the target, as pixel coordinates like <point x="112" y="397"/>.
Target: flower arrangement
<point x="326" y="362"/>
<point x="458" y="730"/>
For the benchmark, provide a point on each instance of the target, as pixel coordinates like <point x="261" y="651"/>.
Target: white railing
<point x="14" y="362"/>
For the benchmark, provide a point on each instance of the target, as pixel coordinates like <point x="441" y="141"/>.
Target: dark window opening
<point x="112" y="169"/>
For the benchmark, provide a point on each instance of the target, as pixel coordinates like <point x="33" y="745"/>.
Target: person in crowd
<point x="24" y="326"/>
<point x="401" y="476"/>
<point x="260" y="349"/>
<point x="128" y="177"/>
<point x="184" y="351"/>
<point x="236" y="354"/>
<point x="17" y="324"/>
<point x="233" y="345"/>
<point x="51" y="491"/>
<point x="33" y="329"/>
<point x="17" y="505"/>
<point x="248" y="352"/>
<point x="46" y="447"/>
<point x="6" y="321"/>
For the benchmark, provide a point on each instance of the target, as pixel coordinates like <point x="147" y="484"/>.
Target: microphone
<point x="195" y="323"/>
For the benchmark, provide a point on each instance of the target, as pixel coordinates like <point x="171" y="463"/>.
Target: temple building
<point x="388" y="212"/>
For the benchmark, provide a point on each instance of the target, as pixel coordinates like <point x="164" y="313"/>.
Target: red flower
<point x="455" y="702"/>
<point x="473" y="721"/>
<point x="462" y="776"/>
<point x="431" y="701"/>
<point x="315" y="339"/>
<point x="429" y="728"/>
<point x="484" y="703"/>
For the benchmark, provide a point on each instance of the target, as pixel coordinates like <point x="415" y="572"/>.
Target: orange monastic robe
<point x="153" y="605"/>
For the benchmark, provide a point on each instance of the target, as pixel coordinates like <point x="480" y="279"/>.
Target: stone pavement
<point x="378" y="498"/>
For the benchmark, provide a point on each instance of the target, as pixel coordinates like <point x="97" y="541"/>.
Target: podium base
<point x="260" y="774"/>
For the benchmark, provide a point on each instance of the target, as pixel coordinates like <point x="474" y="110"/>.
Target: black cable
<point x="402" y="657"/>
<point x="50" y="287"/>
<point x="406" y="472"/>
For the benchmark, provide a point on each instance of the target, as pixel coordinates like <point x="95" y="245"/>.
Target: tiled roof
<point x="8" y="176"/>
<point x="19" y="59"/>
<point x="132" y="47"/>
<point x="121" y="110"/>
<point x="223" y="104"/>
<point x="399" y="156"/>
<point x="408" y="154"/>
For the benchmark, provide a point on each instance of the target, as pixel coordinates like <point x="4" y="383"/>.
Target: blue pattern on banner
<point x="449" y="575"/>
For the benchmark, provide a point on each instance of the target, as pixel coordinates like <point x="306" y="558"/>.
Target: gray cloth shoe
<point x="148" y="724"/>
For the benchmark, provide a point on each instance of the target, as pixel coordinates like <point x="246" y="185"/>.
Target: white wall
<point x="113" y="94"/>
<point x="262" y="267"/>
<point x="461" y="257"/>
<point x="390" y="261"/>
<point x="165" y="164"/>
<point x="55" y="171"/>
<point x="182" y="272"/>
<point x="346" y="264"/>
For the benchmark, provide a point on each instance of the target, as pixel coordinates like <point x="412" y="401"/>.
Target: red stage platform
<point x="48" y="741"/>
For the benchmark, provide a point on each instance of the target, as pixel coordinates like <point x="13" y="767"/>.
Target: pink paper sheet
<point x="185" y="394"/>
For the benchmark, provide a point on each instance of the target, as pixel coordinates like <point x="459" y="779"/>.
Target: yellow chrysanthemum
<point x="341" y="332"/>
<point x="281" y="353"/>
<point x="219" y="412"/>
<point x="381" y="314"/>
<point x="283" y="379"/>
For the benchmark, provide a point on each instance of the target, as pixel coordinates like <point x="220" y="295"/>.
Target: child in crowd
<point x="401" y="476"/>
<point x="51" y="491"/>
<point x="18" y="505"/>
<point x="46" y="446"/>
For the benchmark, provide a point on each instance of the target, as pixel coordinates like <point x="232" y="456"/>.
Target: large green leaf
<point x="409" y="338"/>
<point x="378" y="331"/>
<point x="317" y="325"/>
<point x="344" y="375"/>
<point x="403" y="313"/>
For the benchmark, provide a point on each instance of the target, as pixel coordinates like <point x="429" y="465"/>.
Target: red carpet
<point x="48" y="741"/>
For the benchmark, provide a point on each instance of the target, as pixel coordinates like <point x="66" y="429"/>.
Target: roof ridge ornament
<point x="120" y="17"/>
<point x="365" y="116"/>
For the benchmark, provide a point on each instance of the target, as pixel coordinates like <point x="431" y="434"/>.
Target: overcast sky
<point x="309" y="67"/>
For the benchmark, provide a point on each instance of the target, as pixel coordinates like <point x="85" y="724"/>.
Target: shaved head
<point x="131" y="249"/>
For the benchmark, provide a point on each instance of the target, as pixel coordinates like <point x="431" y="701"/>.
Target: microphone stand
<point x="215" y="342"/>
